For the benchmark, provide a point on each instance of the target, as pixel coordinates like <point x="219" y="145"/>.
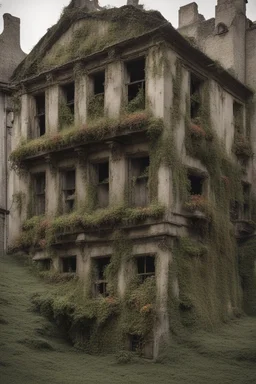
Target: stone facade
<point x="149" y="138"/>
<point x="11" y="56"/>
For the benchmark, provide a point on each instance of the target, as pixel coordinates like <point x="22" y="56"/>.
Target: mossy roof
<point x="127" y="22"/>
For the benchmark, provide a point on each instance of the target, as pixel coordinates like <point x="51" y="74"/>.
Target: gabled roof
<point x="126" y="22"/>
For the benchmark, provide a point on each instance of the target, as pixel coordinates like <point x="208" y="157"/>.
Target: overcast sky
<point x="38" y="15"/>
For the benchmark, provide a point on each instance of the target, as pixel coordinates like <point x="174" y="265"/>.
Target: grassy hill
<point x="33" y="351"/>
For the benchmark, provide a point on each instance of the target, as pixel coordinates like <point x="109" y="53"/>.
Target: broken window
<point x="246" y="201"/>
<point x="96" y="104"/>
<point x="196" y="184"/>
<point x="69" y="189"/>
<point x="138" y="175"/>
<point x="101" y="179"/>
<point x="100" y="281"/>
<point x="39" y="188"/>
<point x="145" y="267"/>
<point x="68" y="264"/>
<point x="40" y="114"/>
<point x="195" y="96"/>
<point x="238" y="117"/>
<point x="136" y="82"/>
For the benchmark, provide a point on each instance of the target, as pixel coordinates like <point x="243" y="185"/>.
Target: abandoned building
<point x="132" y="167"/>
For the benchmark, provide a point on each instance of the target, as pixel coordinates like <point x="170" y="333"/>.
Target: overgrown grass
<point x="225" y="356"/>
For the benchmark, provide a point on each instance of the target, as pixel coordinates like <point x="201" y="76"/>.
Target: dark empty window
<point x="99" y="83"/>
<point x="39" y="185"/>
<point x="145" y="267"/>
<point x="40" y="113"/>
<point x="138" y="174"/>
<point x="222" y="28"/>
<point x="101" y="177"/>
<point x="136" y="343"/>
<point x="69" y="189"/>
<point x="69" y="92"/>
<point x="101" y="282"/>
<point x="195" y="96"/>
<point x="68" y="264"/>
<point x="136" y="83"/>
<point x="238" y="117"/>
<point x="196" y="184"/>
<point x="96" y="104"/>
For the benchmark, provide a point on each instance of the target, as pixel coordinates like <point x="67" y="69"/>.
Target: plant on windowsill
<point x="242" y="147"/>
<point x="66" y="117"/>
<point x="138" y="103"/>
<point x="198" y="206"/>
<point x="196" y="130"/>
<point x="96" y="107"/>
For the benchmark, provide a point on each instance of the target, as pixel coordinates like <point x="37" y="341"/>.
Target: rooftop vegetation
<point x="48" y="53"/>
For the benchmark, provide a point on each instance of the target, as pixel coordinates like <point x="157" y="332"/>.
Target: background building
<point x="11" y="56"/>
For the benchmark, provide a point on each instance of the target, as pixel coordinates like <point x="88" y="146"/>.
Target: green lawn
<point x="32" y="351"/>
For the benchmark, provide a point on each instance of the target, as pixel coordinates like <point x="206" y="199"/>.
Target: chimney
<point x="189" y="15"/>
<point x="11" y="29"/>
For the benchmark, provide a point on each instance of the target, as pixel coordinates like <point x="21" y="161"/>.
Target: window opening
<point x="101" y="282"/>
<point x="99" y="83"/>
<point x="102" y="183"/>
<point x="136" y="343"/>
<point x="136" y="81"/>
<point x="69" y="189"/>
<point x="139" y="173"/>
<point x="222" y="28"/>
<point x="238" y="116"/>
<point x="145" y="267"/>
<point x="196" y="184"/>
<point x="68" y="264"/>
<point x="195" y="96"/>
<point x="39" y="182"/>
<point x="69" y="95"/>
<point x="40" y="113"/>
<point x="96" y="104"/>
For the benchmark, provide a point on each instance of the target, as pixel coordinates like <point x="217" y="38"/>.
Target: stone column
<point x="114" y="83"/>
<point x="28" y="113"/>
<point x="52" y="109"/>
<point x="117" y="174"/>
<point x="81" y="98"/>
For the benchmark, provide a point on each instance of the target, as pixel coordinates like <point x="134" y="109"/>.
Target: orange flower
<point x="146" y="308"/>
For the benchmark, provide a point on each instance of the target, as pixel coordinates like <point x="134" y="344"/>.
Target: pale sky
<point x="39" y="15"/>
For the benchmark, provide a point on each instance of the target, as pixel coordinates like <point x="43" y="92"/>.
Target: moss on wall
<point x="247" y="269"/>
<point x="48" y="53"/>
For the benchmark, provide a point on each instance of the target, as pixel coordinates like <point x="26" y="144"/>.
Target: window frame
<point x="145" y="275"/>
